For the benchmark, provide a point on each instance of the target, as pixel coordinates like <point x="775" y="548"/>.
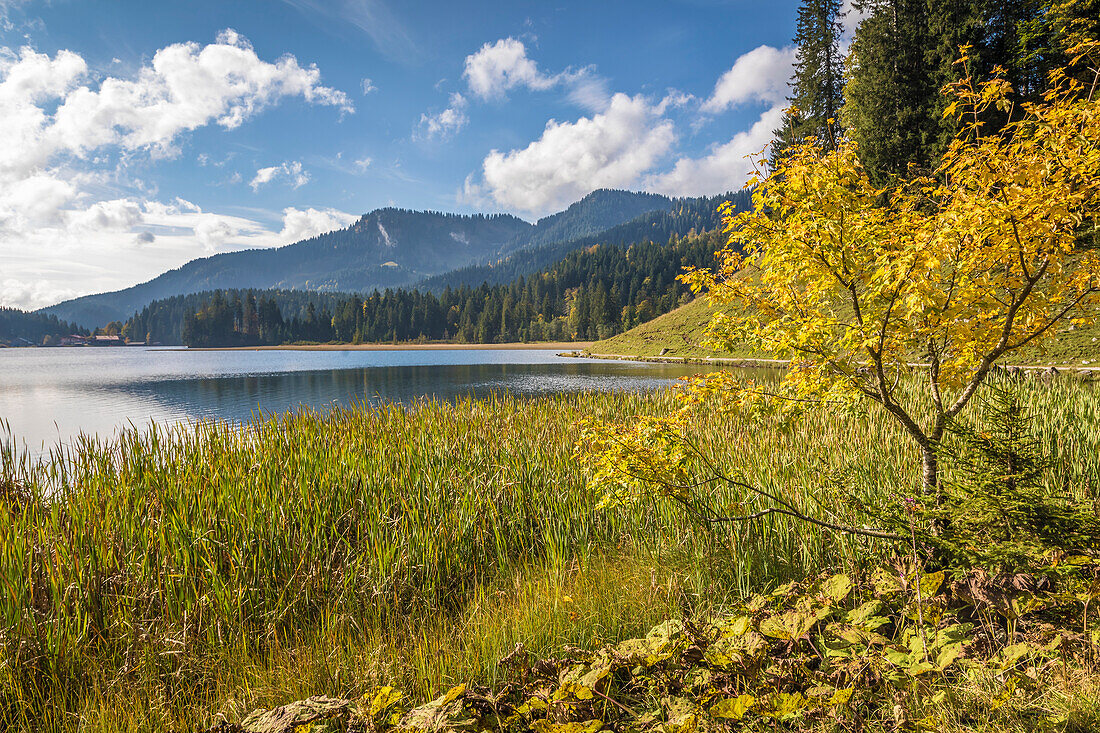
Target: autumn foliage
<point x="869" y="291"/>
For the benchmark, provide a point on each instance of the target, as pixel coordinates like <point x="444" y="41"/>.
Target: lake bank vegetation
<point x="166" y="581"/>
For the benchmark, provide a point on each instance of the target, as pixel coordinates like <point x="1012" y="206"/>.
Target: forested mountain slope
<point x="683" y="217"/>
<point x="20" y="328"/>
<point x="590" y="293"/>
<point x="386" y="248"/>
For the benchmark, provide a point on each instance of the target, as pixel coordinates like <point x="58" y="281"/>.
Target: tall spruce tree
<point x="905" y="53"/>
<point x="817" y="86"/>
<point x="890" y="96"/>
<point x="952" y="24"/>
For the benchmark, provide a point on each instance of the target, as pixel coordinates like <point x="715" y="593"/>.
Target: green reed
<point x="153" y="560"/>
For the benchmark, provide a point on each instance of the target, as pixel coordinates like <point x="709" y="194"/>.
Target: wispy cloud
<point x="446" y="123"/>
<point x="373" y="17"/>
<point x="290" y="170"/>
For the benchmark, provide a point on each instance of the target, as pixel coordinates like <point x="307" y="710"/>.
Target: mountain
<point x="680" y="217"/>
<point x="385" y="248"/>
<point x="596" y="212"/>
<point x="590" y="293"/>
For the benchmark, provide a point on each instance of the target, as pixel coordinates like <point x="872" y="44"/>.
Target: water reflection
<point x="51" y="395"/>
<point x="236" y="397"/>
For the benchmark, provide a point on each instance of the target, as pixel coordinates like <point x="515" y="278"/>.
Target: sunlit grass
<point x="157" y="580"/>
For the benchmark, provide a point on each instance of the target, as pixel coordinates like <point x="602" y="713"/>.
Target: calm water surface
<point x="49" y="396"/>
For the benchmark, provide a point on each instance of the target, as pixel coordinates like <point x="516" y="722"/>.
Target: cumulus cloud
<point x="299" y="224"/>
<point x="758" y="77"/>
<point x="761" y="75"/>
<point x="447" y="122"/>
<point x="368" y="86"/>
<point x="362" y="164"/>
<point x="65" y="137"/>
<point x="115" y="215"/>
<point x="725" y="168"/>
<point x="611" y="149"/>
<point x="626" y="144"/>
<point x="290" y="170"/>
<point x="33" y="201"/>
<point x="498" y="67"/>
<point x="185" y="87"/>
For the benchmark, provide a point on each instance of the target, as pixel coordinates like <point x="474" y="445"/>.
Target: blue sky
<point x="135" y="136"/>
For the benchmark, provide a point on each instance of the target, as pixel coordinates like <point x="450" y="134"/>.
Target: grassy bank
<point x="678" y="334"/>
<point x="166" y="580"/>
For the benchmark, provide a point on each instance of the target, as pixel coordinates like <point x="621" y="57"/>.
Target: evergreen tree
<point x="890" y="98"/>
<point x="952" y="24"/>
<point x="818" y="82"/>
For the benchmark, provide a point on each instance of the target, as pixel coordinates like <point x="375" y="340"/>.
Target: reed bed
<point x="154" y="580"/>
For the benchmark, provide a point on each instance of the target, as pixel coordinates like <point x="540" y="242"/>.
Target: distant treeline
<point x="162" y="321"/>
<point x="591" y="293"/>
<point x="20" y="327"/>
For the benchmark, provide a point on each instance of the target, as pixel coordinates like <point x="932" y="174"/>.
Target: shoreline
<point x="515" y="346"/>
<point x="759" y="363"/>
<point x="746" y="362"/>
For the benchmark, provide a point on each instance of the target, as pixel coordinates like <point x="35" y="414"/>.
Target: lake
<point x="49" y="396"/>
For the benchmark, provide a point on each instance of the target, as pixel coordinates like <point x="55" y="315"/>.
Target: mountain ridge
<point x="387" y="247"/>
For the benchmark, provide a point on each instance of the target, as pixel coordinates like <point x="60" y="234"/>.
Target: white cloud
<point x="447" y="122"/>
<point x="726" y="168"/>
<point x="115" y="215"/>
<point x="363" y="163"/>
<point x="185" y="87"/>
<point x="588" y="91"/>
<point x="625" y="145"/>
<point x="65" y="138"/>
<point x="299" y="224"/>
<point x="6" y="8"/>
<point x="291" y="170"/>
<point x="498" y="67"/>
<point x="34" y="201"/>
<point x="31" y="294"/>
<point x="80" y="255"/>
<point x="368" y="86"/>
<point x="851" y="19"/>
<point x="611" y="149"/>
<point x="761" y="75"/>
<point x="503" y="65"/>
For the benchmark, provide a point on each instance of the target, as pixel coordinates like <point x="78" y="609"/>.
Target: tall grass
<point x="149" y="581"/>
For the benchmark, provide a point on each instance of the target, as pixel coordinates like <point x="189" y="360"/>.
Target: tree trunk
<point x="930" y="471"/>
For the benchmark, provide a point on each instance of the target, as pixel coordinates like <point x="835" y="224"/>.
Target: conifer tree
<point x="818" y="82"/>
<point x="952" y="24"/>
<point x="890" y="97"/>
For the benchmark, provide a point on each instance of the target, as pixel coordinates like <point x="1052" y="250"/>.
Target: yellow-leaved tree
<point x="937" y="280"/>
